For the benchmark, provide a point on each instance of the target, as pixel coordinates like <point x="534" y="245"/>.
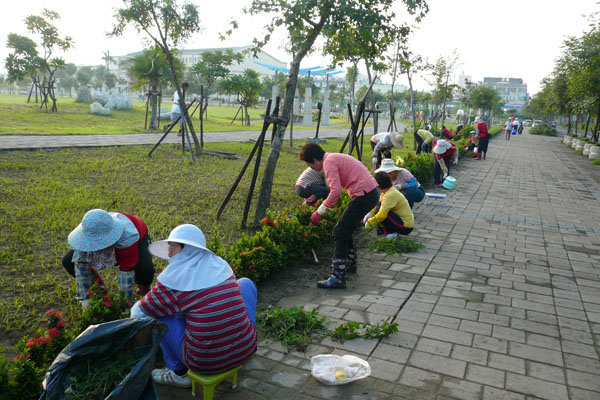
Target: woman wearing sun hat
<point x="210" y="314"/>
<point x="443" y="153"/>
<point x="104" y="239"/>
<point x="403" y="181"/>
<point x="382" y="144"/>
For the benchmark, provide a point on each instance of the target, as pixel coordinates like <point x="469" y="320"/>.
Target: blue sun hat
<point x="98" y="230"/>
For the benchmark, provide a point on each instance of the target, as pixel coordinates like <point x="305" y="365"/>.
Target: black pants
<point x="144" y="269"/>
<point x="358" y="207"/>
<point x="320" y="191"/>
<point x="381" y="154"/>
<point x="393" y="224"/>
<point x="483" y="144"/>
<point x="419" y="141"/>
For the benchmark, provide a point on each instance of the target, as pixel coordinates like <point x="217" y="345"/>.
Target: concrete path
<point x="504" y="302"/>
<point x="32" y="142"/>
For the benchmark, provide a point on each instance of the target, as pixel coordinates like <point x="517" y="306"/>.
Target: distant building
<point x="463" y="80"/>
<point x="193" y="56"/>
<point x="512" y="90"/>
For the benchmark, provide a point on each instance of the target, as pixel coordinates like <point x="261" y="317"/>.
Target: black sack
<point x="100" y="342"/>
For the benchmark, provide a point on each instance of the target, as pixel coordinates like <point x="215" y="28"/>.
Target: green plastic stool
<point x="209" y="382"/>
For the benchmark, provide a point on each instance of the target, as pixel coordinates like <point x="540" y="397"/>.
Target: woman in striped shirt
<point x="210" y="314"/>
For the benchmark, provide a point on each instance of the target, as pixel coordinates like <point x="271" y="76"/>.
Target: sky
<point x="509" y="38"/>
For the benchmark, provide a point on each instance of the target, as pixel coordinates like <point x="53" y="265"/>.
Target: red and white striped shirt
<point x="218" y="333"/>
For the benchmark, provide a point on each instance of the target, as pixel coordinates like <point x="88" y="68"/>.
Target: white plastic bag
<point x="332" y="369"/>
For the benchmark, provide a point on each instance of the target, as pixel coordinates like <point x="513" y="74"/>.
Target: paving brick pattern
<point x="503" y="303"/>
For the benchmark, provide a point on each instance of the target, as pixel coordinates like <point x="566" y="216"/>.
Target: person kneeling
<point x="393" y="215"/>
<point x="211" y="315"/>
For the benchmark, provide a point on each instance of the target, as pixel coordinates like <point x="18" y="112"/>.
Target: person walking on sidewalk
<point x="483" y="136"/>
<point x="507" y="129"/>
<point x="342" y="172"/>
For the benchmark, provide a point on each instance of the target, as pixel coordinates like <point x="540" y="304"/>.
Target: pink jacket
<point x="346" y="172"/>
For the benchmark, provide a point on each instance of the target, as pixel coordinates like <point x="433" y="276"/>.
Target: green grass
<point x="20" y="117"/>
<point x="46" y="193"/>
<point x="397" y="245"/>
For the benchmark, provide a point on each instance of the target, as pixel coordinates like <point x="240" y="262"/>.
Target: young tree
<point x="26" y="61"/>
<point x="339" y="22"/>
<point x="167" y="24"/>
<point x="486" y="99"/>
<point x="152" y="69"/>
<point x="83" y="77"/>
<point x="247" y="86"/>
<point x="443" y="90"/>
<point x="214" y="65"/>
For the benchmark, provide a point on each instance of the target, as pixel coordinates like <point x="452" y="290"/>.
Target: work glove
<point x="366" y="218"/>
<point x="315" y="218"/>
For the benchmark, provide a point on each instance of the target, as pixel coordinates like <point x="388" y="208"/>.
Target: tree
<point x="108" y="59"/>
<point x="443" y="91"/>
<point x="83" y="77"/>
<point x="66" y="77"/>
<point x="110" y="80"/>
<point x="486" y="99"/>
<point x="409" y="64"/>
<point x="99" y="77"/>
<point x="167" y="24"/>
<point x="214" y="65"/>
<point x="247" y="86"/>
<point x="351" y="76"/>
<point x="370" y="22"/>
<point x="151" y="68"/>
<point x="25" y="60"/>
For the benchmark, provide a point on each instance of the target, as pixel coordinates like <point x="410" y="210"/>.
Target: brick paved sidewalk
<point x="503" y="303"/>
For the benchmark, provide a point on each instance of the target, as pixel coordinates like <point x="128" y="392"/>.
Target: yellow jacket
<point x="393" y="200"/>
<point x="425" y="135"/>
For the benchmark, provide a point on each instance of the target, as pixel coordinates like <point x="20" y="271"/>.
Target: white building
<point x="193" y="56"/>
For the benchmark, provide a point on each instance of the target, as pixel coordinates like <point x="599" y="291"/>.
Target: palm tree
<point x="108" y="59"/>
<point x="151" y="68"/>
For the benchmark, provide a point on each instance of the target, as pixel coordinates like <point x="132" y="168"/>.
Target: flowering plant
<point x="103" y="308"/>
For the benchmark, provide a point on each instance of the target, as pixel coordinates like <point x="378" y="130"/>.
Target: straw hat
<point x="397" y="140"/>
<point x="387" y="165"/>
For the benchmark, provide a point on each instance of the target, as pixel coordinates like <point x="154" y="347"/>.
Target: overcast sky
<point x="510" y="38"/>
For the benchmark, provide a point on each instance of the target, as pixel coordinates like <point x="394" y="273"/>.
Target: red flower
<point x="53" y="312"/>
<point x="305" y="234"/>
<point x="60" y="324"/>
<point x="261" y="247"/>
<point x="128" y="303"/>
<point x="90" y="293"/>
<point x="47" y="339"/>
<point x="108" y="304"/>
<point x="107" y="298"/>
<point x="19" y="357"/>
<point x="54" y="332"/>
<point x="265" y="220"/>
<point x="304" y="212"/>
<point x="31" y="343"/>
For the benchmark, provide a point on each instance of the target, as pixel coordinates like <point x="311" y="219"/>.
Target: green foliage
<point x="152" y="67"/>
<point x="596" y="161"/>
<point x="98" y="379"/>
<point x="292" y="326"/>
<point x="397" y="245"/>
<point x="214" y="65"/>
<point x="354" y="330"/>
<point x="103" y="308"/>
<point x="254" y="256"/>
<point x="543" y="130"/>
<point x="421" y="166"/>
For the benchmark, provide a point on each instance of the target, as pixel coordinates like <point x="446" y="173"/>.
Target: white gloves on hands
<point x="366" y="218"/>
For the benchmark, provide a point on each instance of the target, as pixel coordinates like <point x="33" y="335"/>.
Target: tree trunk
<point x="587" y="124"/>
<point x="569" y="125"/>
<point x="412" y="108"/>
<point x="153" y="106"/>
<point x="595" y="139"/>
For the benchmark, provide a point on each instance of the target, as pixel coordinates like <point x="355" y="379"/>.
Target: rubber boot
<point x="337" y="280"/>
<point x="98" y="280"/>
<point x="351" y="261"/>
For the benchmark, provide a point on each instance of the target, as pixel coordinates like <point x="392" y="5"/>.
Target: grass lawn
<point x="20" y="117"/>
<point x="46" y="193"/>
